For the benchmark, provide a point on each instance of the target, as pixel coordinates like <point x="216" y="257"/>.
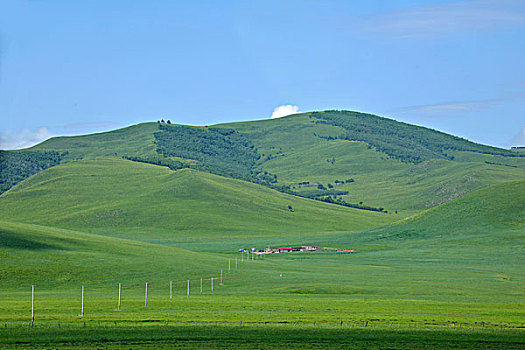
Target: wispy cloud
<point x="24" y="138"/>
<point x="452" y="107"/>
<point x="284" y="110"/>
<point x="447" y="18"/>
<point x="519" y="138"/>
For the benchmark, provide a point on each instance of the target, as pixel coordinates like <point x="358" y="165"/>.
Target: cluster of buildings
<point x="303" y="248"/>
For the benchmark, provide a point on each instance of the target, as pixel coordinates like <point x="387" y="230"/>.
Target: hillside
<point x="470" y="249"/>
<point x="117" y="197"/>
<point x="320" y="148"/>
<point x="48" y="256"/>
<point x="486" y="226"/>
<point x="342" y="157"/>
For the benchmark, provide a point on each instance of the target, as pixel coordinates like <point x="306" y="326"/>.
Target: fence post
<point x="146" y="296"/>
<point x="201" y="285"/>
<point x="221" y="278"/>
<point x="212" y="285"/>
<point x="82" y="311"/>
<point x="229" y="263"/>
<point x="119" y="287"/>
<point x="171" y="290"/>
<point x="188" y="293"/>
<point x="32" y="305"/>
<point x="235" y="263"/>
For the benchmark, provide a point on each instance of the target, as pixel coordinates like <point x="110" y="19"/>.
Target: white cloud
<point x="519" y="139"/>
<point x="23" y="139"/>
<point x="284" y="110"/>
<point x="27" y="138"/>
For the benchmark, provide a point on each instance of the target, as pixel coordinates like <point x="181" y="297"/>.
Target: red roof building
<point x="285" y="249"/>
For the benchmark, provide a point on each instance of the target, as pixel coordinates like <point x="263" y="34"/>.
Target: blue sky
<point x="72" y="67"/>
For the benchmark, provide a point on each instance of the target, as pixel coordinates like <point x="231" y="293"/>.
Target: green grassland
<point x="445" y="271"/>
<point x="149" y="203"/>
<point x="456" y="263"/>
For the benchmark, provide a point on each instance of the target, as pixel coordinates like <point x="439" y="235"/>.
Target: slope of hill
<point x="318" y="148"/>
<point x="353" y="158"/>
<point x="470" y="249"/>
<point x="48" y="256"/>
<point x="135" y="140"/>
<point x="150" y="203"/>
<point x="487" y="225"/>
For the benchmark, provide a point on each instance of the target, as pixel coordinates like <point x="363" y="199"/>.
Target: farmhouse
<point x="284" y="249"/>
<point x="310" y="248"/>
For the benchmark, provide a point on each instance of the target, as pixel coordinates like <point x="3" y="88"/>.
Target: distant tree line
<point x="322" y="193"/>
<point x="220" y="151"/>
<point x="408" y="143"/>
<point x="502" y="164"/>
<point x="326" y="196"/>
<point x="340" y="201"/>
<point x="170" y="163"/>
<point x="16" y="166"/>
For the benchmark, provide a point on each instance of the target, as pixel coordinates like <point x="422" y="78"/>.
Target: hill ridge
<point x="356" y="159"/>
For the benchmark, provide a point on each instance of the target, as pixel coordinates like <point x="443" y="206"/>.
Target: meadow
<point x="322" y="300"/>
<point x="441" y="269"/>
<point x="408" y="285"/>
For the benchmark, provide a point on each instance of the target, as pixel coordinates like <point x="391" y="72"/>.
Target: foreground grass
<point x="269" y="336"/>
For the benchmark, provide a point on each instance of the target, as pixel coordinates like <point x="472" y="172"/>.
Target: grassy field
<point x="410" y="283"/>
<point x="444" y="272"/>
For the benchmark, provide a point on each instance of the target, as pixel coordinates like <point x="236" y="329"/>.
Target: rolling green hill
<point x="472" y="247"/>
<point x="355" y="158"/>
<point x="487" y="225"/>
<point x="50" y="257"/>
<point x="117" y="197"/>
<point x="319" y="148"/>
